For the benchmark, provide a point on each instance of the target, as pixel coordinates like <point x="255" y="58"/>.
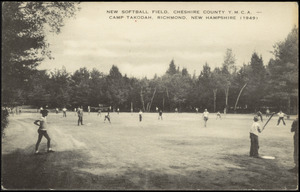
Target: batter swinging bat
<point x="268" y="121"/>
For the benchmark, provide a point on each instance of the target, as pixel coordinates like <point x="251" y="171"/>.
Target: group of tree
<point x="25" y="26"/>
<point x="249" y="88"/>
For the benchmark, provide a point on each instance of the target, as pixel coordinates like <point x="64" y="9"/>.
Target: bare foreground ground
<point x="176" y="153"/>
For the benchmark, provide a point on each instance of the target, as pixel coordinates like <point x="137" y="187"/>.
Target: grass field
<point x="175" y="153"/>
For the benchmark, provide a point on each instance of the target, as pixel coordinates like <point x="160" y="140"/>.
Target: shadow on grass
<point x="63" y="170"/>
<point x="264" y="173"/>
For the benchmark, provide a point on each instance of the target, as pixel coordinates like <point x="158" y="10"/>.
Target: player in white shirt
<point x="205" y="116"/>
<point x="42" y="123"/>
<point x="267" y="112"/>
<point x="254" y="130"/>
<point x="281" y="117"/>
<point x="64" y="112"/>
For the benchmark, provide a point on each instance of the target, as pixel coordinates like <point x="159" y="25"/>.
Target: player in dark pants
<point x="140" y="115"/>
<point x="42" y="123"/>
<point x="64" y="112"/>
<point x="160" y="115"/>
<point x="80" y="115"/>
<point x="259" y="114"/>
<point x="107" y="117"/>
<point x="254" y="130"/>
<point x="295" y="128"/>
<point x="281" y="117"/>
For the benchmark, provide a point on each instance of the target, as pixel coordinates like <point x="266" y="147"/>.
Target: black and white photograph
<point x="149" y="95"/>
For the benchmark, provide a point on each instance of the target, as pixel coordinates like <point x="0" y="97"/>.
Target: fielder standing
<point x="160" y="115"/>
<point x="281" y="117"/>
<point x="219" y="115"/>
<point x="80" y="115"/>
<point x="140" y="115"/>
<point x="64" y="112"/>
<point x="205" y="116"/>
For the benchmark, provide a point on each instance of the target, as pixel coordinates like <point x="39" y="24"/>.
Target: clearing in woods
<point x="177" y="152"/>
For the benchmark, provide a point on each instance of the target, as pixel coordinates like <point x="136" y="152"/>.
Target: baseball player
<point x="205" y="116"/>
<point x="254" y="130"/>
<point x="281" y="117"/>
<point x="42" y="123"/>
<point x="107" y="117"/>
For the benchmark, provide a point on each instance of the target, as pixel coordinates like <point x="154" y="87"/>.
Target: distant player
<point x="9" y="110"/>
<point x="5" y="111"/>
<point x="254" y="130"/>
<point x="64" y="112"/>
<point x="42" y="123"/>
<point x="107" y="117"/>
<point x="89" y="109"/>
<point x="80" y="116"/>
<point x="56" y="110"/>
<point x="156" y="109"/>
<point x="140" y="115"/>
<point x="118" y="110"/>
<point x="99" y="113"/>
<point x="160" y="115"/>
<point x="268" y="113"/>
<point x="205" y="116"/>
<point x="259" y="114"/>
<point x="176" y="110"/>
<point x="75" y="111"/>
<point x="281" y="117"/>
<point x="219" y="115"/>
<point x="197" y="109"/>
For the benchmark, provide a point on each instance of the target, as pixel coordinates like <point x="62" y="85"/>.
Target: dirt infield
<point x="175" y="153"/>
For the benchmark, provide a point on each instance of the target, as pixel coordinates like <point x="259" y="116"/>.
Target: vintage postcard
<point x="150" y="95"/>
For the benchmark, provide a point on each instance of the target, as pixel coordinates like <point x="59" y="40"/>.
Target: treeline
<point x="252" y="87"/>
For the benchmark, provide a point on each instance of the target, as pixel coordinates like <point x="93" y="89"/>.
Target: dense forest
<point x="241" y="88"/>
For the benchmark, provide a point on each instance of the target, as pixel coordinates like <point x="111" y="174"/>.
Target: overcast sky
<point x="143" y="47"/>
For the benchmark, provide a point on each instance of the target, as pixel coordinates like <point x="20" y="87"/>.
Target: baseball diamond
<point x="178" y="152"/>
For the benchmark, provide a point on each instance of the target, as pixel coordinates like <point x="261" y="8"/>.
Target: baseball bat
<point x="267" y="121"/>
